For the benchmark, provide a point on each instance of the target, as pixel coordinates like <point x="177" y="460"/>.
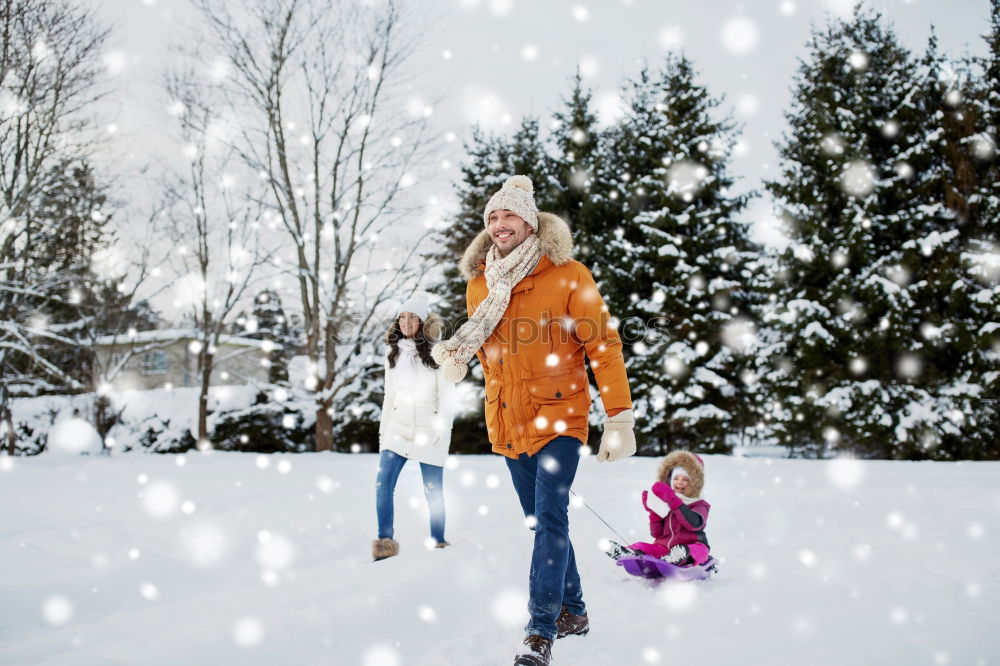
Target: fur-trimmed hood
<point x="554" y="239"/>
<point x="689" y="461"/>
<point x="433" y="328"/>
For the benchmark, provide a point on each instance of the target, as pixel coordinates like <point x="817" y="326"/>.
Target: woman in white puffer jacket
<point x="416" y="421"/>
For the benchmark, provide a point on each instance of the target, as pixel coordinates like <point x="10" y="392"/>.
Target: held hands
<point x="618" y="440"/>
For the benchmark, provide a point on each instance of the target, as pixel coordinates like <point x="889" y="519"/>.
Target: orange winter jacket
<point x="533" y="362"/>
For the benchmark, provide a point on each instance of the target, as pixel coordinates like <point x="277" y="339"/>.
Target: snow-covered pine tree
<point x="268" y="321"/>
<point x="972" y="136"/>
<point x="674" y="265"/>
<point x="74" y="226"/>
<point x="950" y="412"/>
<point x="867" y="324"/>
<point x="577" y="142"/>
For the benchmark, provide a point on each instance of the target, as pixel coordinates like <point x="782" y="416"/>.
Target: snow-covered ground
<point x="215" y="558"/>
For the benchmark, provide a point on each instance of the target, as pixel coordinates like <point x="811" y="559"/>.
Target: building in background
<point x="169" y="358"/>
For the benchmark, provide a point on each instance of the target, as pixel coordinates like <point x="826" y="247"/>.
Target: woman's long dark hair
<point x="423" y="345"/>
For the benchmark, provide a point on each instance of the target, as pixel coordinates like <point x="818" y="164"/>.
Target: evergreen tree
<point x="991" y="66"/>
<point x="983" y="250"/>
<point x="81" y="305"/>
<point x="577" y="144"/>
<point x="269" y="322"/>
<point x="675" y="258"/>
<point x="986" y="143"/>
<point x="872" y="318"/>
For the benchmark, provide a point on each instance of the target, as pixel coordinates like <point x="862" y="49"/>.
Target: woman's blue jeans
<point x="390" y="464"/>
<point x="542" y="483"/>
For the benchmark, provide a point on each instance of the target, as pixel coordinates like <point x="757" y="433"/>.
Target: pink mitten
<point x="667" y="494"/>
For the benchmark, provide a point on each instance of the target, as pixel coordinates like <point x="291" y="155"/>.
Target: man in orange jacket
<point x="534" y="312"/>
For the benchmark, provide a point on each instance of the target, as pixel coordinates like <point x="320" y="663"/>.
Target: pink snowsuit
<point x="672" y="520"/>
<point x="684" y="525"/>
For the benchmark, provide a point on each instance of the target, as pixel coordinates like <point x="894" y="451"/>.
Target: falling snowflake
<point x="671" y="37"/>
<point x="510" y="608"/>
<point x="739" y="35"/>
<point x="845" y="473"/>
<point x="248" y="631"/>
<point x="161" y="499"/>
<point x="747" y="104"/>
<point x="858" y="179"/>
<point x="651" y="655"/>
<point x="675" y="366"/>
<point x="57" y="610"/>
<point x="858" y="61"/>
<point x="149" y="591"/>
<point x="204" y="543"/>
<point x="501" y="7"/>
<point x="325" y="484"/>
<point x="984" y="147"/>
<point x="739" y="335"/>
<point x="590" y="67"/>
<point x="685" y="179"/>
<point x="679" y="597"/>
<point x="909" y="366"/>
<point x="274" y="552"/>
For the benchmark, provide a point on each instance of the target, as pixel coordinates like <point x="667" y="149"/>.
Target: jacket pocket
<point x="425" y="432"/>
<point x="557" y="402"/>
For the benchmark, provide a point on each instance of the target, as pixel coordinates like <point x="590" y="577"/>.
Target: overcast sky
<point x="492" y="61"/>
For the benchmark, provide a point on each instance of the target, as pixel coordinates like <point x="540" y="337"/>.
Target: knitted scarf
<point x="502" y="275"/>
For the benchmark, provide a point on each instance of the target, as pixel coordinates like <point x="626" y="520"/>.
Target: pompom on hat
<point x="517" y="195"/>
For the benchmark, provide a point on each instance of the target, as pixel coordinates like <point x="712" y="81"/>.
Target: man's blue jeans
<point x="542" y="483"/>
<point x="390" y="464"/>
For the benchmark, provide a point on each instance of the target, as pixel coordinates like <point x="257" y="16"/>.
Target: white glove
<point x="618" y="440"/>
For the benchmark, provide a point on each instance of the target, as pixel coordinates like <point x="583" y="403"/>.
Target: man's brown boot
<point x="537" y="651"/>
<point x="571" y="625"/>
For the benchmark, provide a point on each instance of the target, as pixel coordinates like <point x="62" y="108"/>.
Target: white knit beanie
<point x="679" y="471"/>
<point x="516" y="195"/>
<point x="418" y="305"/>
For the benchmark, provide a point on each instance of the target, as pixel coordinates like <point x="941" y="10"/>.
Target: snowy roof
<point x="174" y="334"/>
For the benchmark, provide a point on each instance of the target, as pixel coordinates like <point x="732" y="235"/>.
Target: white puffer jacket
<point x="417" y="410"/>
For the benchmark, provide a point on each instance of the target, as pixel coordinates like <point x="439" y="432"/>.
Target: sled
<point x="647" y="566"/>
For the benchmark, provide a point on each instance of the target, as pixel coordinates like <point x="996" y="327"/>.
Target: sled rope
<point x="624" y="540"/>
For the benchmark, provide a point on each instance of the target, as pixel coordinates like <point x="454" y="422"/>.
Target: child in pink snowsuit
<point x="677" y="514"/>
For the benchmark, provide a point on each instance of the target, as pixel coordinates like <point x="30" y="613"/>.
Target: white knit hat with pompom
<point x="516" y="195"/>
